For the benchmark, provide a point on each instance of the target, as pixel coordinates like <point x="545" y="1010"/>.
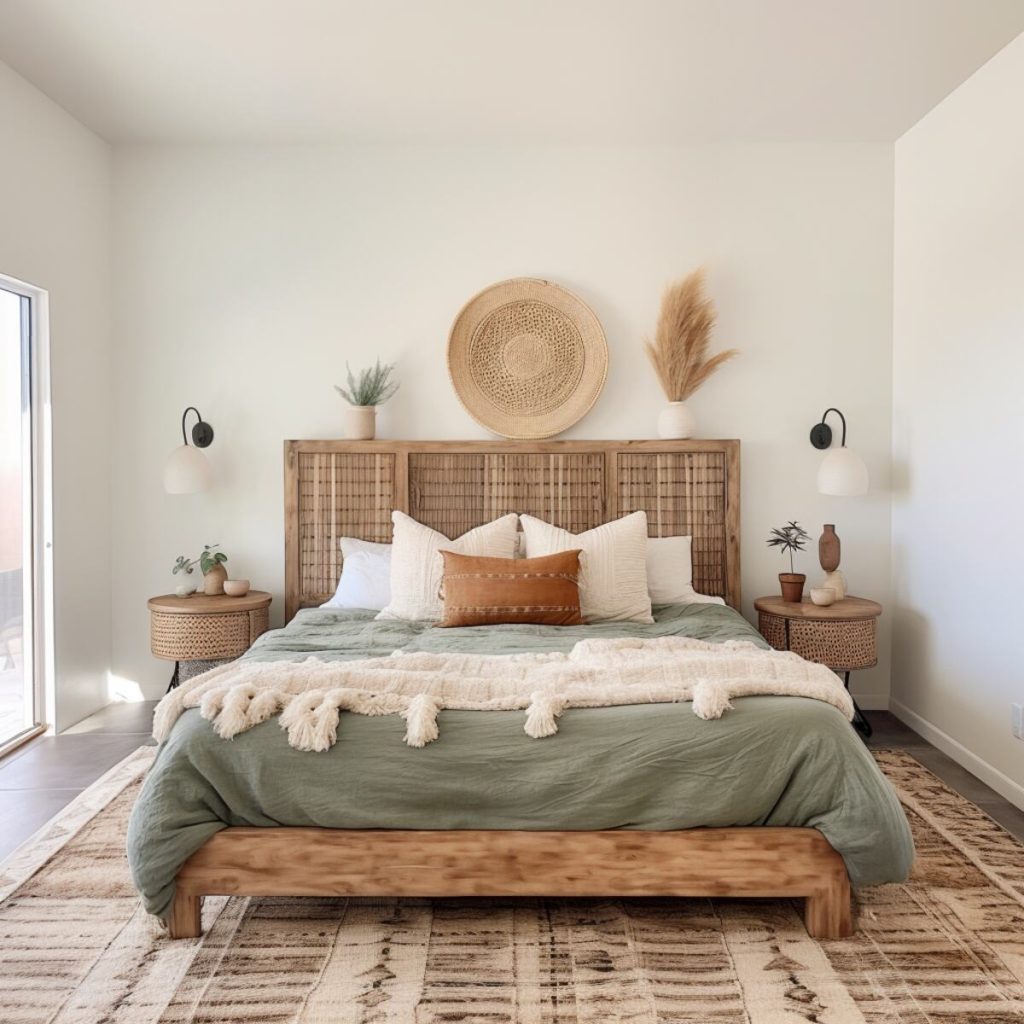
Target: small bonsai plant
<point x="790" y="538"/>
<point x="373" y="386"/>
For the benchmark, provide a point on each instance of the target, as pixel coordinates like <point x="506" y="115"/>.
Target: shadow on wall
<point x="899" y="478"/>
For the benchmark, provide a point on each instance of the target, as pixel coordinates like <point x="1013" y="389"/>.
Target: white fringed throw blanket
<point x="310" y="695"/>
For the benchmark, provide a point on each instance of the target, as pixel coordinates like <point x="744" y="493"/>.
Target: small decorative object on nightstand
<point x="205" y="629"/>
<point x="789" y="538"/>
<point x="842" y="635"/>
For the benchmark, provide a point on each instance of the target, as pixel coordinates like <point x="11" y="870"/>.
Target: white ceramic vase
<point x="676" y="421"/>
<point x="361" y="422"/>
<point x="186" y="584"/>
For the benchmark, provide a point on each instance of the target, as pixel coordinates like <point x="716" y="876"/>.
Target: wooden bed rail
<point x="744" y="862"/>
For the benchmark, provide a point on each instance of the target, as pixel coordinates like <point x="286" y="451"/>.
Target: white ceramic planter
<point x="361" y="422"/>
<point x="676" y="421"/>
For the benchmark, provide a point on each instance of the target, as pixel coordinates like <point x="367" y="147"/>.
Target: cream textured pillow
<point x="670" y="572"/>
<point x="417" y="566"/>
<point x="613" y="577"/>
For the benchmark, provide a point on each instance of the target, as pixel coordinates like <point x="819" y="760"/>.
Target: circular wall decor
<point x="527" y="358"/>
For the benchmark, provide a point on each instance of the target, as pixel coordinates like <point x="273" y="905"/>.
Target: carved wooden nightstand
<point x="843" y="635"/>
<point x="205" y="629"/>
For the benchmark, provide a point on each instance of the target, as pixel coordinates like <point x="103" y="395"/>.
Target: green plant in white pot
<point x="188" y="584"/>
<point x="372" y="387"/>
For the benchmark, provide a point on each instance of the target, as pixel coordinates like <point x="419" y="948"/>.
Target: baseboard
<point x="991" y="776"/>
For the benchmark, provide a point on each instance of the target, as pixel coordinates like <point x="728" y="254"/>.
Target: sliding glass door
<point x="19" y="703"/>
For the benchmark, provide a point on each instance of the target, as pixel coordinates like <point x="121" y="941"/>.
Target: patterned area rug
<point x="947" y="947"/>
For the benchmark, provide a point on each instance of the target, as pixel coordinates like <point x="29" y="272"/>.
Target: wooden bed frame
<point x="346" y="488"/>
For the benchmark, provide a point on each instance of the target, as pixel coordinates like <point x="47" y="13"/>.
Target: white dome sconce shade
<point x="187" y="469"/>
<point x="842" y="472"/>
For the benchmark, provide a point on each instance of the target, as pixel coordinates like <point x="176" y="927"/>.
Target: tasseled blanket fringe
<point x="597" y="673"/>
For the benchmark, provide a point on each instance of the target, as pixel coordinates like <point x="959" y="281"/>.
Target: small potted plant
<point x="211" y="561"/>
<point x="188" y="584"/>
<point x="364" y="393"/>
<point x="791" y="537"/>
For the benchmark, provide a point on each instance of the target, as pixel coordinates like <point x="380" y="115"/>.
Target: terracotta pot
<point x="213" y="581"/>
<point x="828" y="548"/>
<point x="361" y="422"/>
<point x="792" y="586"/>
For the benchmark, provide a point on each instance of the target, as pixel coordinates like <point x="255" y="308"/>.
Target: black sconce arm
<point x="202" y="432"/>
<point x="821" y="433"/>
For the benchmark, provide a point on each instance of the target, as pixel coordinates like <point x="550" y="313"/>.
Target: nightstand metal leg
<point x="175" y="677"/>
<point x="860" y="723"/>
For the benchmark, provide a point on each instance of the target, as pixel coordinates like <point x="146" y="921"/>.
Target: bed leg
<point x="185" y="920"/>
<point x="827" y="914"/>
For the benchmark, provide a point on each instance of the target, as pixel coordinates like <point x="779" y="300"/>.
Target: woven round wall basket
<point x="527" y="358"/>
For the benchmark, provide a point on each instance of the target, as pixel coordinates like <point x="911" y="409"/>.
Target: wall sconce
<point x="187" y="469"/>
<point x="842" y="472"/>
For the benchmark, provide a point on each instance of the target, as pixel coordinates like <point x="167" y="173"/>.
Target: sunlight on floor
<point x="121" y="689"/>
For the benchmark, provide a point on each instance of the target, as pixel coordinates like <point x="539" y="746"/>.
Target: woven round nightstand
<point x="842" y="635"/>
<point x="205" y="629"/>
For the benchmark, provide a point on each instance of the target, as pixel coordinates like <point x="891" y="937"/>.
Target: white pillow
<point x="417" y="566"/>
<point x="670" y="572"/>
<point x="365" y="576"/>
<point x="613" y="566"/>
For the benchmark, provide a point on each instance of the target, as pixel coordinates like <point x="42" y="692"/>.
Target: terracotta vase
<point x="792" y="584"/>
<point x="213" y="581"/>
<point x="828" y="548"/>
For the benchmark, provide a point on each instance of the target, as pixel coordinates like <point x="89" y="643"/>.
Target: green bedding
<point x="769" y="761"/>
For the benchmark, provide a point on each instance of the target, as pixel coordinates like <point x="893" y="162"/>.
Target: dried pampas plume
<point x="679" y="352"/>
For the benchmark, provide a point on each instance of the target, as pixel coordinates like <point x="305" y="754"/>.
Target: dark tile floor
<point x="44" y="775"/>
<point x="37" y="780"/>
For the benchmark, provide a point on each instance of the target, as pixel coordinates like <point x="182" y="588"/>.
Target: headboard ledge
<point x="335" y="489"/>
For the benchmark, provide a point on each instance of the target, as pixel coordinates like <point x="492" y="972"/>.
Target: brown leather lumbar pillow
<point x="487" y="591"/>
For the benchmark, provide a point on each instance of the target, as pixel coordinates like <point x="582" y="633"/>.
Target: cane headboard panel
<point x="337" y="489"/>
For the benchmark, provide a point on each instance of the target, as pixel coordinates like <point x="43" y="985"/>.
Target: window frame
<point x="37" y="518"/>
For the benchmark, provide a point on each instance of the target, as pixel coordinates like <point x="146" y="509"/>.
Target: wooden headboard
<point x="335" y="489"/>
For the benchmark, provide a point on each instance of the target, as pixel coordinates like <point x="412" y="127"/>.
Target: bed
<point x="778" y="798"/>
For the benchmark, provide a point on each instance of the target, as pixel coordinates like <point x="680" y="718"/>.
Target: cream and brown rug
<point x="947" y="947"/>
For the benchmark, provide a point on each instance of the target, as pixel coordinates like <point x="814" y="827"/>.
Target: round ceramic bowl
<point x="239" y="588"/>
<point x="823" y="596"/>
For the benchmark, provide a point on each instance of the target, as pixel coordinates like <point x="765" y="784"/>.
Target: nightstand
<point x="843" y="635"/>
<point x="205" y="629"/>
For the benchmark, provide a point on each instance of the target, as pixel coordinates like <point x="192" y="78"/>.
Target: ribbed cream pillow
<point x="417" y="566"/>
<point x="613" y="566"/>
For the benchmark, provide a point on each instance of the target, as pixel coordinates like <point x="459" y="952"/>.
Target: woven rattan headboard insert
<point x="337" y="489"/>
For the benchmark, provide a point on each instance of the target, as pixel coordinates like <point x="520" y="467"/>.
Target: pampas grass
<point x="679" y="352"/>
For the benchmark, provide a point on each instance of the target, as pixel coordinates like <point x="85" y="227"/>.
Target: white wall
<point x="54" y="233"/>
<point x="958" y="431"/>
<point x="246" y="277"/>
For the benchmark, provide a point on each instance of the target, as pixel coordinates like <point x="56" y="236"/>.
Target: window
<point x="23" y="525"/>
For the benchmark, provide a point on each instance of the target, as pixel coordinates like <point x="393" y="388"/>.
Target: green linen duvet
<point x="769" y="761"/>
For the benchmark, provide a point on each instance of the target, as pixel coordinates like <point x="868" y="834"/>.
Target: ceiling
<point x="569" y="71"/>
